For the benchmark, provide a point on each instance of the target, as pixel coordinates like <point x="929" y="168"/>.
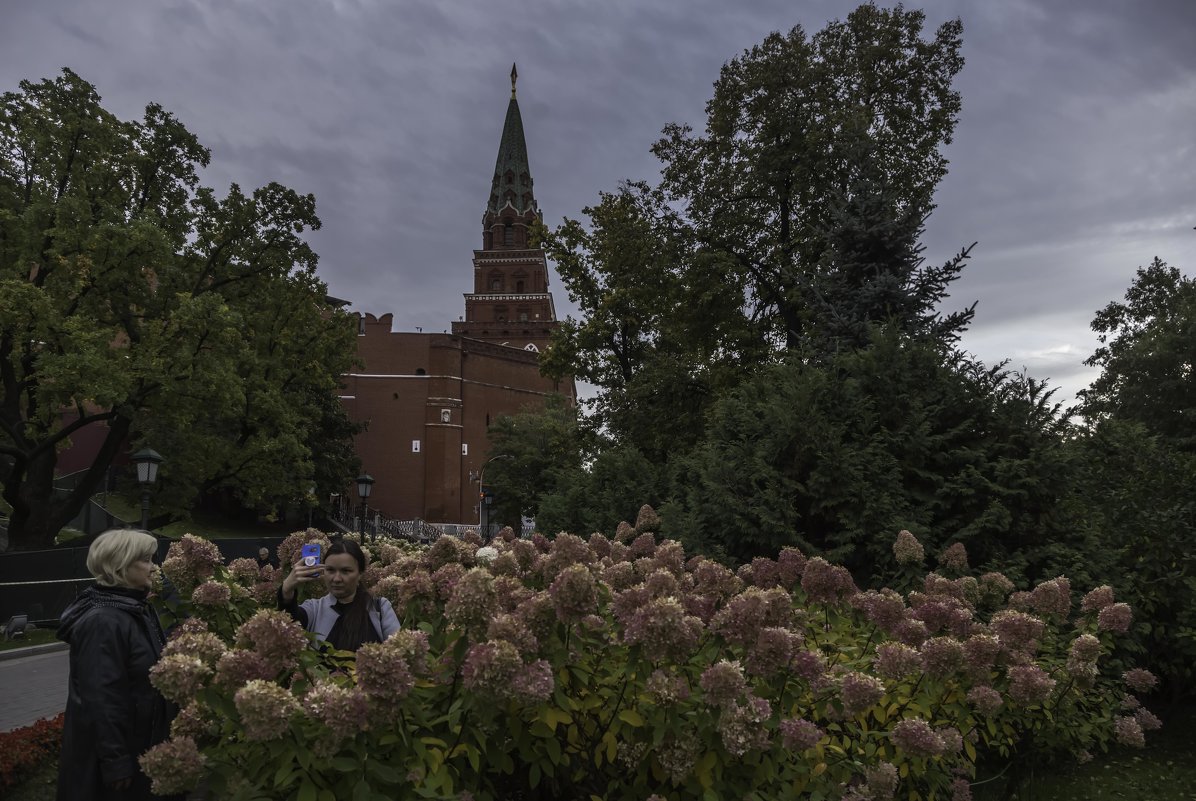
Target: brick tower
<point x="510" y="303"/>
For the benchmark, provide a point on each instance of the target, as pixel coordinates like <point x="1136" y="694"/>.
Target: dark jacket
<point x="113" y="714"/>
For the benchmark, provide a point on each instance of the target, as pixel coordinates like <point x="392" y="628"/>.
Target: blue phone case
<point x="312" y="551"/>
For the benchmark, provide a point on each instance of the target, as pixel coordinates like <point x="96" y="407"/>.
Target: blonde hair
<point x="113" y="551"/>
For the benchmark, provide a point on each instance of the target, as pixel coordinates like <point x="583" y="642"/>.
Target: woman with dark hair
<point x="346" y="617"/>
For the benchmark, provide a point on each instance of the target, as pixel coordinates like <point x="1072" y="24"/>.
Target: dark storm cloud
<point x="1072" y="164"/>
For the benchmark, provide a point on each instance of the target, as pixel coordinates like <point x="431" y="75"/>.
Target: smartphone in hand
<point x="310" y="554"/>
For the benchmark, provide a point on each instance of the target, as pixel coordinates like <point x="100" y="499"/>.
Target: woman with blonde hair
<point x="113" y="714"/>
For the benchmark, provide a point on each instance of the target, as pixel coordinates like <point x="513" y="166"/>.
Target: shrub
<point x="625" y="670"/>
<point x="23" y="750"/>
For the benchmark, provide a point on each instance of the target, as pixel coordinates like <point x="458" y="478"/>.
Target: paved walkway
<point x="32" y="687"/>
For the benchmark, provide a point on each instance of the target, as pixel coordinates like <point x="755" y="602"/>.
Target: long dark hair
<point x="355" y="623"/>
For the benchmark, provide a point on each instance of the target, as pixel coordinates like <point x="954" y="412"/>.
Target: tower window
<point x="508" y="234"/>
<point x="495" y="284"/>
<point x="518" y="286"/>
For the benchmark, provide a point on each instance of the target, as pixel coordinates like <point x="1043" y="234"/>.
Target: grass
<point x="1163" y="771"/>
<point x="207" y="526"/>
<point x="35" y="637"/>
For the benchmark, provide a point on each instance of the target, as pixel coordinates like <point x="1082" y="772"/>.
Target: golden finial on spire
<point x="514" y="77"/>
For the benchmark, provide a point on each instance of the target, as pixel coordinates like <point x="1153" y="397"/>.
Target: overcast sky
<point x="1074" y="161"/>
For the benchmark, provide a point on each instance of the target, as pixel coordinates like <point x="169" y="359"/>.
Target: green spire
<point x="512" y="176"/>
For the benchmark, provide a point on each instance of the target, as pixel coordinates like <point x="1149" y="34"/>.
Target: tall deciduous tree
<point x="139" y="303"/>
<point x="803" y="133"/>
<point x="1148" y="356"/>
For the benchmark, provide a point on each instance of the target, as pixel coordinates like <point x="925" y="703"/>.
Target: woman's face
<point x="140" y="574"/>
<point x="341" y="576"/>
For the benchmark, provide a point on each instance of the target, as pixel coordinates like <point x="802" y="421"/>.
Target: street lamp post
<point x="147" y="461"/>
<point x="365" y="484"/>
<point x="482" y="505"/>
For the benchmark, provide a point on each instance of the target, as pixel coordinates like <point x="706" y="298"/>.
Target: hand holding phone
<point x="309" y="557"/>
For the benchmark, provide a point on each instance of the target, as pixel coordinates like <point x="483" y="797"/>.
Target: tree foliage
<point x="904" y="434"/>
<point x="1138" y="459"/>
<point x="136" y="300"/>
<point x="531" y="455"/>
<point x="1148" y="356"/>
<point x="804" y="136"/>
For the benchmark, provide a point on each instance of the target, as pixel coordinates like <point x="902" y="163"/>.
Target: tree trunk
<point x="39" y="513"/>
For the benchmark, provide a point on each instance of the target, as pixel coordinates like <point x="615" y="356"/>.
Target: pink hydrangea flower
<point x="1097" y="599"/>
<point x="741" y="620"/>
<point x="174" y="767"/>
<point x="574" y="592"/>
<point x="711" y="578"/>
<point x="203" y="644"/>
<point x="265" y="709"/>
<point x="772" y="652"/>
<point x="191" y="561"/>
<point x="1115" y="618"/>
<point x="663" y="629"/>
<point x="723" y="682"/>
<point x="907" y="549"/>
<point x="885" y="609"/>
<point x="961" y="790"/>
<point x="1139" y="680"/>
<point x="343" y="710"/>
<point x="193" y="721"/>
<point x="666" y="688"/>
<point x="942" y="655"/>
<point x="490" y="667"/>
<point x="954" y="557"/>
<point x="985" y="700"/>
<point x="566" y="550"/>
<point x="238" y="667"/>
<point x="244" y="571"/>
<point x="798" y="734"/>
<point x="1052" y="598"/>
<point x="895" y="660"/>
<point x="791" y="563"/>
<point x="1147" y="719"/>
<point x="534" y="683"/>
<point x="741" y="726"/>
<point x="995" y="588"/>
<point x="275" y="636"/>
<point x="212" y="594"/>
<point x="1029" y="684"/>
<point x="179" y="676"/>
<point x="826" y="583"/>
<point x="916" y="737"/>
<point x="1128" y="731"/>
<point x="1084" y="648"/>
<point x="809" y="666"/>
<point x="383" y="672"/>
<point x="472" y="601"/>
<point x="980" y="653"/>
<point x="859" y="692"/>
<point x="1017" y="630"/>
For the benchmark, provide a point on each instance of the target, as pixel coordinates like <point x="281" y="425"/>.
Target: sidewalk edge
<point x="32" y="650"/>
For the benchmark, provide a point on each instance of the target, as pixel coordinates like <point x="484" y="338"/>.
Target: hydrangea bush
<point x="621" y="668"/>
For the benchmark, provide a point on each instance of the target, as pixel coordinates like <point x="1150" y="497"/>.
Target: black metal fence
<point x="40" y="584"/>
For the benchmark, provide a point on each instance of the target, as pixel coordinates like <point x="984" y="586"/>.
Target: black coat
<point x="113" y="714"/>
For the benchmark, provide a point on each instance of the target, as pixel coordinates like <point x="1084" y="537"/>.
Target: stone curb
<point x="32" y="650"/>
